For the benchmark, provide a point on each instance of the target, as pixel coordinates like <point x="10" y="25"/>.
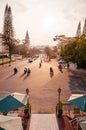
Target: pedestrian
<point x="40" y="65"/>
<point x="51" y="72"/>
<point x="68" y="65"/>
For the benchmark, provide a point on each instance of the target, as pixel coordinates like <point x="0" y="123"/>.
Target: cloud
<point x="72" y="12"/>
<point x="31" y="15"/>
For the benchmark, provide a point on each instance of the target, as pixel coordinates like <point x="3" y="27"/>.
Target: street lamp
<point x="59" y="92"/>
<point x="59" y="105"/>
<point x="27" y="91"/>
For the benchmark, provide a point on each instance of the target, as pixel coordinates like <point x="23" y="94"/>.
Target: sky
<point x="44" y="19"/>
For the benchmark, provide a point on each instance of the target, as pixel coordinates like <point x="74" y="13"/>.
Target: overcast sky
<point x="44" y="18"/>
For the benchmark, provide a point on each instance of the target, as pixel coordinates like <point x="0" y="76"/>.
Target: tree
<point x="24" y="50"/>
<point x="34" y="51"/>
<point x="8" y="31"/>
<point x="81" y="52"/>
<point x="75" y="51"/>
<point x="68" y="52"/>
<point x="47" y="51"/>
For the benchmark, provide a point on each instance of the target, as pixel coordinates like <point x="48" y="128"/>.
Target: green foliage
<point x="50" y="53"/>
<point x="81" y="48"/>
<point x="81" y="51"/>
<point x="75" y="51"/>
<point x="68" y="51"/>
<point x="34" y="51"/>
<point x="8" y="32"/>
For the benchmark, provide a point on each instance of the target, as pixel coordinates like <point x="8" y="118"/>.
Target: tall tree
<point x="8" y="31"/>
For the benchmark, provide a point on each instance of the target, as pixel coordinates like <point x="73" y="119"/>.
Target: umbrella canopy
<point x="20" y="97"/>
<point x="10" y="123"/>
<point x="78" y="101"/>
<point x="2" y="128"/>
<point x="9" y="103"/>
<point x="74" y="96"/>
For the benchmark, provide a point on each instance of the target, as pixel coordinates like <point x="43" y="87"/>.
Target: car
<point x="30" y="60"/>
<point x="61" y="61"/>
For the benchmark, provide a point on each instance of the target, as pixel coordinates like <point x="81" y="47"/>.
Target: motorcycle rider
<point x="15" y="70"/>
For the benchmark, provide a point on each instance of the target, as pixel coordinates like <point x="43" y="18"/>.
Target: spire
<point x="27" y="39"/>
<point x="78" y="33"/>
<point x="84" y="28"/>
<point x="27" y="36"/>
<point x="6" y="10"/>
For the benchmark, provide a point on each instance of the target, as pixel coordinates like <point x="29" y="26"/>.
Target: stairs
<point x="43" y="122"/>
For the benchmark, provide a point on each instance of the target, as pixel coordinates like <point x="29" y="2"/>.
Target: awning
<point x="9" y="103"/>
<point x="79" y="101"/>
<point x="20" y="97"/>
<point x="2" y="128"/>
<point x="74" y="96"/>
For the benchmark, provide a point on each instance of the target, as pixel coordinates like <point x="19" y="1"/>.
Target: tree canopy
<point x="8" y="30"/>
<point x="75" y="51"/>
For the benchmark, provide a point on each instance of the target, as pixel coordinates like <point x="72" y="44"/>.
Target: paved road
<point x="43" y="88"/>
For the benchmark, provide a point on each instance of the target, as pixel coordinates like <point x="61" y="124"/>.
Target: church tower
<point x="78" y="33"/>
<point x="84" y="28"/>
<point x="27" y="40"/>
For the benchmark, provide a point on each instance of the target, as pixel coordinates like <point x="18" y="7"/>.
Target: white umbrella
<point x="10" y="123"/>
<point x="74" y="96"/>
<point x="79" y="100"/>
<point x="83" y="125"/>
<point x="20" y="97"/>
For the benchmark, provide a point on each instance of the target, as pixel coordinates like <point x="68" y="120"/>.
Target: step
<point x="43" y="122"/>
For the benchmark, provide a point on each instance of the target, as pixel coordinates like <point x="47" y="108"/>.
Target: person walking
<point x="68" y="65"/>
<point x="60" y="67"/>
<point x="51" y="72"/>
<point x="40" y="64"/>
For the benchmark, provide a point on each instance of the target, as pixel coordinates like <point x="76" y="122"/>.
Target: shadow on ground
<point x="77" y="82"/>
<point x="10" y="76"/>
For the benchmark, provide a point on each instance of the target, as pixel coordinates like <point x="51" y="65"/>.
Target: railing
<point x="27" y="115"/>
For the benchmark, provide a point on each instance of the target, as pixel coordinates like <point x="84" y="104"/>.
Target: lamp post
<point x="59" y="105"/>
<point x="27" y="91"/>
<point x="59" y="92"/>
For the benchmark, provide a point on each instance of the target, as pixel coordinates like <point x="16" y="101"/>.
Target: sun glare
<point x="49" y="22"/>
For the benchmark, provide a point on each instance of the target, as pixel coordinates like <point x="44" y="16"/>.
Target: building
<point x="27" y="40"/>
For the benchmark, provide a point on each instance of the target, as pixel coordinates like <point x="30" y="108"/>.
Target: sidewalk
<point x="79" y="71"/>
<point x="72" y="67"/>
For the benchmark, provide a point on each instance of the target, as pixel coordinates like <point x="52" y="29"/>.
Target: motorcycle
<point x="51" y="72"/>
<point x="15" y="70"/>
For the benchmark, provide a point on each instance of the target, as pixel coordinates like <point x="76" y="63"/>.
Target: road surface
<point x="43" y="88"/>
